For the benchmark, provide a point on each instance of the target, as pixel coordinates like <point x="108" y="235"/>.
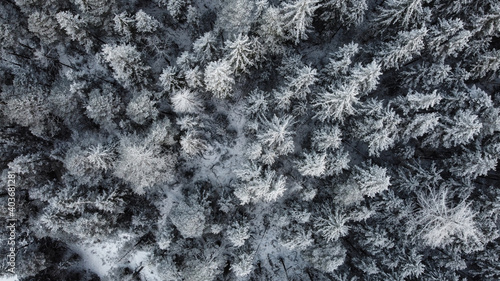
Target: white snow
<point x="100" y="257"/>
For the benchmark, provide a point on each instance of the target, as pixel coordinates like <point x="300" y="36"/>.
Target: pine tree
<point x="327" y="138"/>
<point x="327" y="257"/>
<point x="194" y="78"/>
<point x="188" y="218"/>
<point x="185" y="101"/>
<point x="408" y="13"/>
<point x="337" y="162"/>
<point x="379" y="128"/>
<point x="302" y="81"/>
<point x="219" y="79"/>
<point x="258" y="185"/>
<point x="161" y="3"/>
<point x="7" y="36"/>
<point x="257" y="102"/>
<point x="272" y="30"/>
<point x="64" y="104"/>
<point x="141" y="108"/>
<point x="406" y="45"/>
<point x="244" y="266"/>
<point x="442" y="223"/>
<point x="192" y="144"/>
<point x="472" y="164"/>
<point x="169" y="79"/>
<point x="186" y="60"/>
<point x="350" y="12"/>
<point x="366" y="77"/>
<point x="75" y="27"/>
<point x="461" y="129"/>
<point x="277" y="134"/>
<point x="368" y="180"/>
<point x="297" y="239"/>
<point x="143" y="166"/>
<point x="415" y="101"/>
<point x="283" y="98"/>
<point x="334" y="225"/>
<point x="176" y="7"/>
<point x="193" y="16"/>
<point x="314" y="164"/>
<point x="420" y="125"/>
<point x="161" y="133"/>
<point x="341" y="60"/>
<point x="102" y="108"/>
<point x="145" y="23"/>
<point x="124" y="25"/>
<point x="240" y="52"/>
<point x="488" y="23"/>
<point x="30" y="110"/>
<point x="126" y="63"/>
<point x="372" y="180"/>
<point x="298" y="17"/>
<point x="448" y="38"/>
<point x="44" y="26"/>
<point x="487" y="64"/>
<point x="428" y="76"/>
<point x="472" y="99"/>
<point x="95" y="10"/>
<point x="87" y="163"/>
<point x="189" y="122"/>
<point x="490" y="118"/>
<point x="337" y="103"/>
<point x="236" y="17"/>
<point x="205" y="47"/>
<point x="201" y="270"/>
<point x="238" y="234"/>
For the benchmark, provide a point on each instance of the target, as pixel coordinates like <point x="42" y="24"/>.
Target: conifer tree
<point x="240" y="51"/>
<point x="461" y="129"/>
<point x="188" y="218"/>
<point x="143" y="166"/>
<point x="142" y="108"/>
<point x="337" y="103"/>
<point x="250" y="140"/>
<point x="407" y="13"/>
<point x="74" y="27"/>
<point x="185" y="101"/>
<point x="350" y="12"/>
<point x="298" y="17"/>
<point x="219" y="79"/>
<point x="205" y="47"/>
<point x="44" y="26"/>
<point x="126" y="63"/>
<point x="145" y="23"/>
<point x="441" y="222"/>
<point x="406" y="45"/>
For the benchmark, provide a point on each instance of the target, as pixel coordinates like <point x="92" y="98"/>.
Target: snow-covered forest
<point x="296" y="140"/>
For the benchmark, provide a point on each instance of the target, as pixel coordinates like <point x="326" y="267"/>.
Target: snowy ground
<point x="102" y="257"/>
